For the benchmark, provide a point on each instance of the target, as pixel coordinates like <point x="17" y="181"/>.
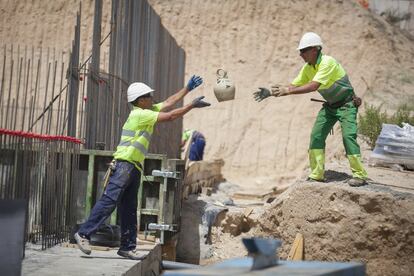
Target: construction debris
<point x="394" y="146"/>
<point x="201" y="174"/>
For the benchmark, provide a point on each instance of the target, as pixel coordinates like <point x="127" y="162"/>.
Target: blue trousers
<point x="120" y="192"/>
<point x="197" y="149"/>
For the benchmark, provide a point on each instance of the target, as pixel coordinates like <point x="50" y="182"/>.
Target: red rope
<point x="40" y="136"/>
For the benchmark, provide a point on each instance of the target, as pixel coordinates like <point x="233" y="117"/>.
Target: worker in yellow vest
<point x="121" y="190"/>
<point x="324" y="74"/>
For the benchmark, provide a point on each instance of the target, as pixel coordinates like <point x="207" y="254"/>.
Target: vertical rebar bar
<point x="25" y="96"/>
<point x="16" y="111"/>
<point x="33" y="108"/>
<point x="10" y="90"/>
<point x="2" y="86"/>
<point x="50" y="116"/>
<point x="59" y="98"/>
<point x="46" y="90"/>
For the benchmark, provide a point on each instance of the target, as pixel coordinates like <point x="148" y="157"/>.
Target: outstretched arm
<point x="193" y="83"/>
<point x="179" y="112"/>
<point x="174" y="114"/>
<point x="172" y="100"/>
<point x="282" y="90"/>
<point x="309" y="87"/>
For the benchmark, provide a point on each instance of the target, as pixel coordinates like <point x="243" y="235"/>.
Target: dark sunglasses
<point x="305" y="50"/>
<point x="149" y="95"/>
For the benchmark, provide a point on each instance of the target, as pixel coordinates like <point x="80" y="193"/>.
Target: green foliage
<point x="393" y="16"/>
<point x="403" y="115"/>
<point x="370" y="122"/>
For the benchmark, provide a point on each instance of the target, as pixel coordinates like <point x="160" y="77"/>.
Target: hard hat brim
<point x="151" y="92"/>
<point x="307" y="46"/>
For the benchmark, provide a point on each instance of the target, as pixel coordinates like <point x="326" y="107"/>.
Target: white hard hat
<point x="138" y="89"/>
<point x="308" y="40"/>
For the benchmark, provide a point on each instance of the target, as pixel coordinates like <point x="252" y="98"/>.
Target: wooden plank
<point x="296" y="252"/>
<point x="93" y="247"/>
<point x="206" y="191"/>
<point x="251" y="196"/>
<point x="89" y="189"/>
<point x="169" y="249"/>
<point x="142" y="237"/>
<point x="248" y="212"/>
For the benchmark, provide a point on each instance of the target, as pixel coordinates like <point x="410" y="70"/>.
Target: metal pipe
<point x="169" y="265"/>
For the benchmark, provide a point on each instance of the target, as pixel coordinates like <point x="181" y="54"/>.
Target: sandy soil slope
<point x="256" y="41"/>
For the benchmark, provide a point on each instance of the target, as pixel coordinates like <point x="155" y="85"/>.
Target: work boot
<point x="356" y="182"/>
<point x="83" y="244"/>
<point x="132" y="254"/>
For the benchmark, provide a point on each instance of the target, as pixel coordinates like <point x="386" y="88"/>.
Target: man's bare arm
<point x="174" y="114"/>
<point x="309" y="87"/>
<point x="172" y="100"/>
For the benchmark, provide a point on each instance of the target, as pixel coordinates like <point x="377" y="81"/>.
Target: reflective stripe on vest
<point x="338" y="91"/>
<point x="145" y="134"/>
<point x="130" y="133"/>
<point x="130" y="140"/>
<point x="136" y="145"/>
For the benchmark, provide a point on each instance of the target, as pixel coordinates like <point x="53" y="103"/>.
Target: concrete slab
<point x="70" y="261"/>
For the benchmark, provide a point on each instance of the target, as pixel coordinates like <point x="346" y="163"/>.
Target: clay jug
<point x="224" y="90"/>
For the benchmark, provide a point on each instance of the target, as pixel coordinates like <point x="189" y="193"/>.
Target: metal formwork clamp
<point x="162" y="227"/>
<point x="166" y="174"/>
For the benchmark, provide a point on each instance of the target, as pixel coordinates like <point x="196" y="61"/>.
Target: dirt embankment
<point x="256" y="42"/>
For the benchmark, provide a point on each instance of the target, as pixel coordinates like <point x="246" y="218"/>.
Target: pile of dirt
<point x="372" y="224"/>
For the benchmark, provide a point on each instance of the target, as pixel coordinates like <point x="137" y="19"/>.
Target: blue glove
<point x="194" y="82"/>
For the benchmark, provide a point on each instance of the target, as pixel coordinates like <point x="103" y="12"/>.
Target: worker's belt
<point x="339" y="104"/>
<point x="132" y="162"/>
<point x="111" y="169"/>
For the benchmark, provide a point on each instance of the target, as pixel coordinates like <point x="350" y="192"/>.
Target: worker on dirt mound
<point x="196" y="141"/>
<point x="122" y="185"/>
<point x="324" y="74"/>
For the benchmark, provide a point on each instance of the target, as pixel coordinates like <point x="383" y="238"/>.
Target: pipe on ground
<point x="169" y="265"/>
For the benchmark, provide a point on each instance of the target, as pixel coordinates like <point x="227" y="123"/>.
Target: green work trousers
<point x="327" y="117"/>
